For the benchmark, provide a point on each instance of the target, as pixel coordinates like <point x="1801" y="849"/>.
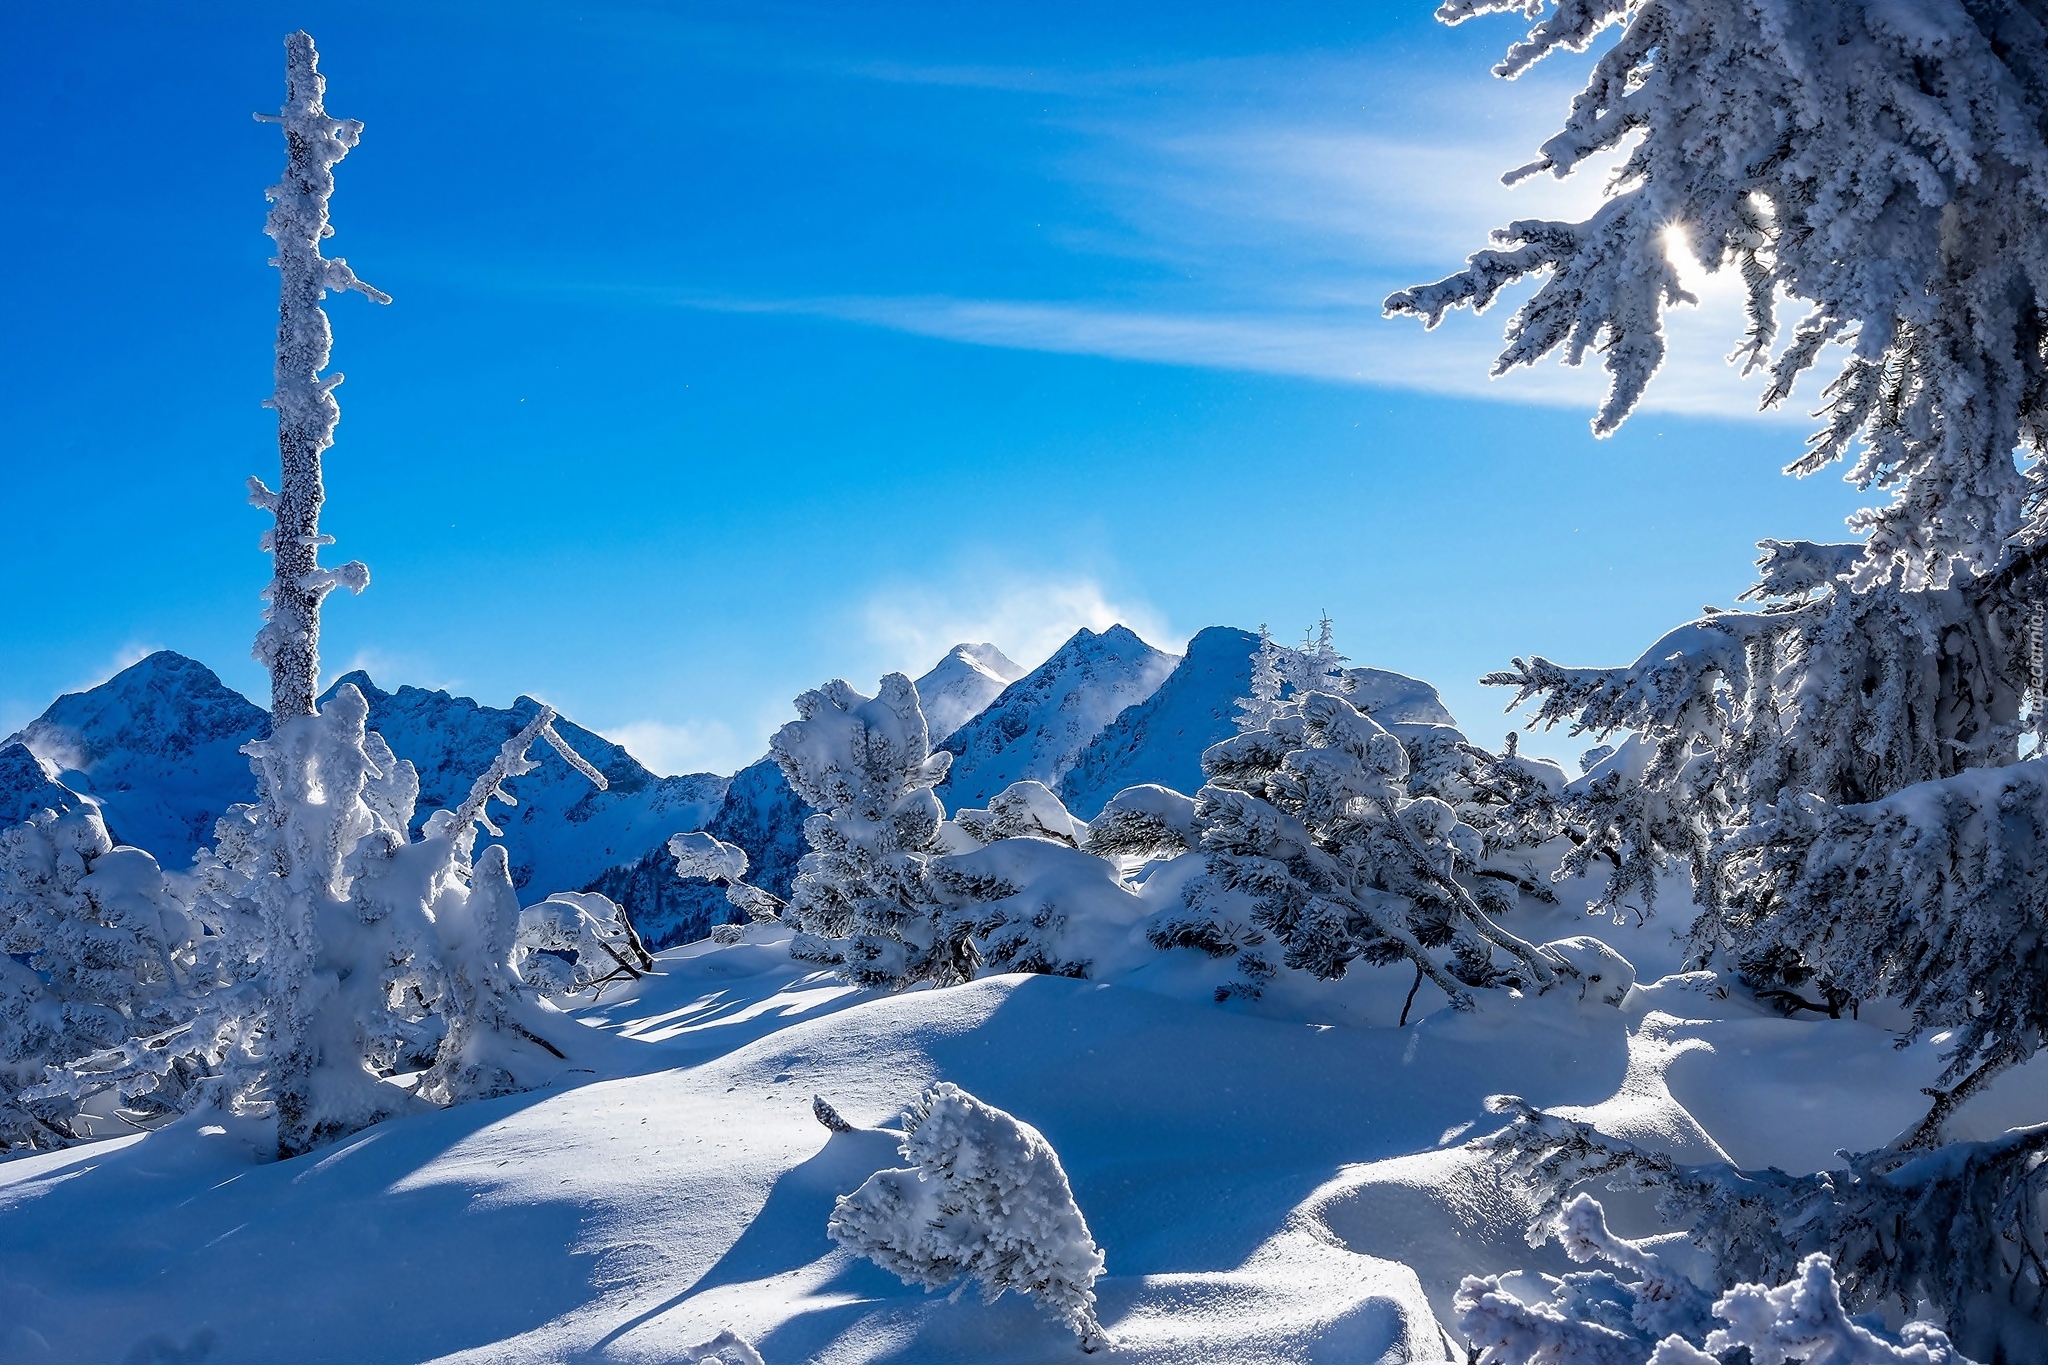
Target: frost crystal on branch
<point x="1882" y="164"/>
<point x="289" y="645"/>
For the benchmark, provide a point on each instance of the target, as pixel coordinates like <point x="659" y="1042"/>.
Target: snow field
<point x="1265" y="1188"/>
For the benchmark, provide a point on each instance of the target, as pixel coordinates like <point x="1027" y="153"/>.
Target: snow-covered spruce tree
<point x="1885" y="166"/>
<point x="1310" y="821"/>
<point x="95" y="951"/>
<point x="1769" y="748"/>
<point x="1280" y="671"/>
<point x="860" y="899"/>
<point x="1960" y="1230"/>
<point x="985" y="1199"/>
<point x="1657" y="1316"/>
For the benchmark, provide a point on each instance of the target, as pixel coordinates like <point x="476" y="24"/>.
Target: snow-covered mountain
<point x="1162" y="737"/>
<point x="962" y="685"/>
<point x="1040" y="725"/>
<point x="158" y="745"/>
<point x="27" y="785"/>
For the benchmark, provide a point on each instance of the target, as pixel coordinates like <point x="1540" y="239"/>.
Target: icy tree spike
<point x="289" y="643"/>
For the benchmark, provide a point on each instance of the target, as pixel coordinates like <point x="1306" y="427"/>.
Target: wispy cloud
<point x="689" y="747"/>
<point x="1359" y="348"/>
<point x="1026" y="616"/>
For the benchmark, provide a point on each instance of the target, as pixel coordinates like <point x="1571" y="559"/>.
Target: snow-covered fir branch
<point x="1645" y="1312"/>
<point x="1960" y="1228"/>
<point x="1782" y="141"/>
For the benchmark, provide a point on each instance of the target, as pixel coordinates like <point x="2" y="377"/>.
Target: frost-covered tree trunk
<point x="289" y="645"/>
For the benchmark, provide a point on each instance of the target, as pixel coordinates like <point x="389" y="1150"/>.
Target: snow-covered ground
<point x="1267" y="1186"/>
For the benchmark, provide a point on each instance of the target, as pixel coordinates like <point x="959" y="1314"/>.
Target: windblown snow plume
<point x="987" y="1200"/>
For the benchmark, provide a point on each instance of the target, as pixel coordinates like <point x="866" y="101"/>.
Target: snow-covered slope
<point x="961" y="685"/>
<point x="564" y="833"/>
<point x="1040" y="724"/>
<point x="1162" y="737"/>
<point x="1266" y="1192"/>
<point x="158" y="745"/>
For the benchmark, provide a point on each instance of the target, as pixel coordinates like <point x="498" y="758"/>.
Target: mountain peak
<point x="1162" y="737"/>
<point x="961" y="685"/>
<point x="1039" y="725"/>
<point x="158" y="745"/>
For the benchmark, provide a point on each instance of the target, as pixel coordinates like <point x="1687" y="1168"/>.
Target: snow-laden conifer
<point x="1839" y="771"/>
<point x="95" y="950"/>
<point x="1959" y="1229"/>
<point x="1883" y="166"/>
<point x="859" y="899"/>
<point x="1310" y="821"/>
<point x="984" y="1199"/>
<point x="1280" y="671"/>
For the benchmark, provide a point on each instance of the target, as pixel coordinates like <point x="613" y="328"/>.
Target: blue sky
<point x="739" y="347"/>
